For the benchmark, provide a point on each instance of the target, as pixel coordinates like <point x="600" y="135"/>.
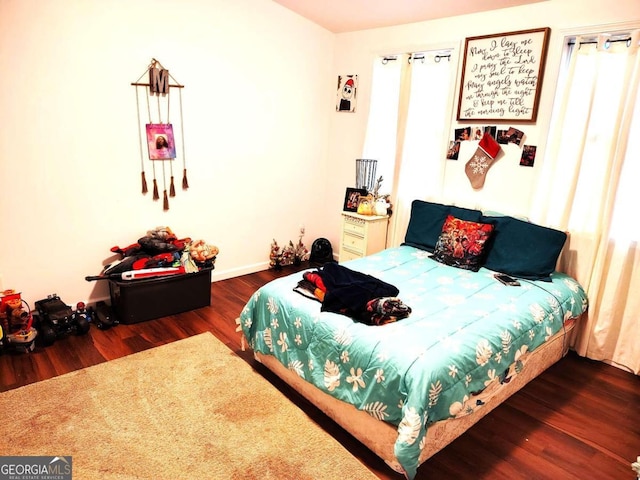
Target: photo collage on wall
<point x="504" y="137"/>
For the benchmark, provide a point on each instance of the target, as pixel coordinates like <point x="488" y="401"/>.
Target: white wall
<point x="257" y="99"/>
<point x="508" y="186"/>
<point x="265" y="149"/>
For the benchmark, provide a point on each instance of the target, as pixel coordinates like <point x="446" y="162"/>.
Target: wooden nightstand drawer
<point x="354" y="225"/>
<point x="348" y="255"/>
<point x="362" y="235"/>
<point x="353" y="242"/>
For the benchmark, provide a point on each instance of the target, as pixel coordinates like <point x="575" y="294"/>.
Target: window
<point x="411" y="101"/>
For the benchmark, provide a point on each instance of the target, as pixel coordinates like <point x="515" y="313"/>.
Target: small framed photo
<point x="352" y="197"/>
<point x="160" y="141"/>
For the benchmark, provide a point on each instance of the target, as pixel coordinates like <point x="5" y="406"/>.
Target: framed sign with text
<point x="502" y="76"/>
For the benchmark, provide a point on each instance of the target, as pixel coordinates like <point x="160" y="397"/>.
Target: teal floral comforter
<point x="464" y="332"/>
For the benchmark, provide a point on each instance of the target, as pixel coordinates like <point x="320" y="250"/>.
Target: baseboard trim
<point x="218" y="275"/>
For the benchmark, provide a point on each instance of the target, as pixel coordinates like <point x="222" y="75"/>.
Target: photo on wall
<point x="491" y="130"/>
<point x="347" y="93"/>
<point x="477" y="132"/>
<point x="462" y="134"/>
<point x="528" y="157"/>
<point x="515" y="135"/>
<point x="160" y="141"/>
<point x="502" y="137"/>
<point x="454" y="150"/>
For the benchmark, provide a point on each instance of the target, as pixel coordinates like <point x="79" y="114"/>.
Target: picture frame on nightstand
<point x="352" y="197"/>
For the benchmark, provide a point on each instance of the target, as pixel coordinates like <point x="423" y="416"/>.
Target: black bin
<point x="136" y="301"/>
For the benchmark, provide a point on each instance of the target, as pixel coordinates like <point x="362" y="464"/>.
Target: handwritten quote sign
<point x="502" y="76"/>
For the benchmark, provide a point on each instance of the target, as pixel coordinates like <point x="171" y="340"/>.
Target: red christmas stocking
<point x="485" y="156"/>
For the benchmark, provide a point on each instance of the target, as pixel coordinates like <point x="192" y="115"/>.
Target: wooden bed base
<point x="380" y="436"/>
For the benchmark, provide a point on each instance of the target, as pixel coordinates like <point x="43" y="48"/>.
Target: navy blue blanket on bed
<point x="349" y="291"/>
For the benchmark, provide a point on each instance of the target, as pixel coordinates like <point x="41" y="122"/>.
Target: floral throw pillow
<point x="461" y="243"/>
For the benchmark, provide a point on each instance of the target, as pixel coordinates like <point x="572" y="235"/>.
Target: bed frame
<point x="380" y="436"/>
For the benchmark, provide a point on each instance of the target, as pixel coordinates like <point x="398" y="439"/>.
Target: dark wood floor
<point x="578" y="420"/>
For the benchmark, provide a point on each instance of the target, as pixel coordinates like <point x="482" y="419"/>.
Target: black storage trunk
<point x="139" y="300"/>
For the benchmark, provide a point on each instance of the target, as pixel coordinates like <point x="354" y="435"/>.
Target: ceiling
<point x="341" y="16"/>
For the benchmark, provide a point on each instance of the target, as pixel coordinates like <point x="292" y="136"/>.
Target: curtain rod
<point x="608" y="41"/>
<point x="391" y="58"/>
<point x="436" y="58"/>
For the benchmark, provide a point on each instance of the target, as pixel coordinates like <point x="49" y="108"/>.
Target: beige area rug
<point x="191" y="409"/>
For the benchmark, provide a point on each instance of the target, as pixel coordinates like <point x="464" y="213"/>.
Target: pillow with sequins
<point x="462" y="243"/>
<point x="427" y="218"/>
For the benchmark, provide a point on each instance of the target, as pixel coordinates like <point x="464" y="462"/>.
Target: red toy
<point x="16" y="330"/>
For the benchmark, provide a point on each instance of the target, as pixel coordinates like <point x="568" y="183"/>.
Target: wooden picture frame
<point x="352" y="197"/>
<point x="502" y="76"/>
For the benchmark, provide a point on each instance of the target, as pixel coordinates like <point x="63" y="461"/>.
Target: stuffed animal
<point x="201" y="251"/>
<point x="161" y="240"/>
<point x="187" y="262"/>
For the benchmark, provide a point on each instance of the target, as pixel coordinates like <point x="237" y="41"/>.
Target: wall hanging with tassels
<point x="158" y="132"/>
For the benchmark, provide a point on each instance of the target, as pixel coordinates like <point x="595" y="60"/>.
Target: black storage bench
<point x="136" y="301"/>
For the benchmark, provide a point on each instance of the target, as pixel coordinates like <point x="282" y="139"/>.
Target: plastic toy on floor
<point x="55" y="319"/>
<point x="102" y="316"/>
<point x="16" y="330"/>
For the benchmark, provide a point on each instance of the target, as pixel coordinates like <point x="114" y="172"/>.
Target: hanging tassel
<point x="156" y="196"/>
<point x="144" y="178"/>
<point x="144" y="183"/>
<point x="185" y="183"/>
<point x="172" y="188"/>
<point x="165" y="204"/>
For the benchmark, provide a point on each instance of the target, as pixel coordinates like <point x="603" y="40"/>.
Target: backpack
<point x="321" y="251"/>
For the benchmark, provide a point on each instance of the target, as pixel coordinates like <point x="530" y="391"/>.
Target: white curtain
<point x="588" y="186"/>
<point x="417" y="93"/>
<point x="381" y="135"/>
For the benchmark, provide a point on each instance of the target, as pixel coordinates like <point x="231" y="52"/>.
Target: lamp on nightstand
<point x="366" y="173"/>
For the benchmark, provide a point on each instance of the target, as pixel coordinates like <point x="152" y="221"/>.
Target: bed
<point x="409" y="387"/>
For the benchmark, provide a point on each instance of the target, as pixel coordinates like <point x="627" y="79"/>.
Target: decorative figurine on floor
<point x="300" y="251"/>
<point x="274" y="256"/>
<point x="290" y="255"/>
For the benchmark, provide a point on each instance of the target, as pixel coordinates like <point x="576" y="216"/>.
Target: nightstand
<point x="362" y="235"/>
